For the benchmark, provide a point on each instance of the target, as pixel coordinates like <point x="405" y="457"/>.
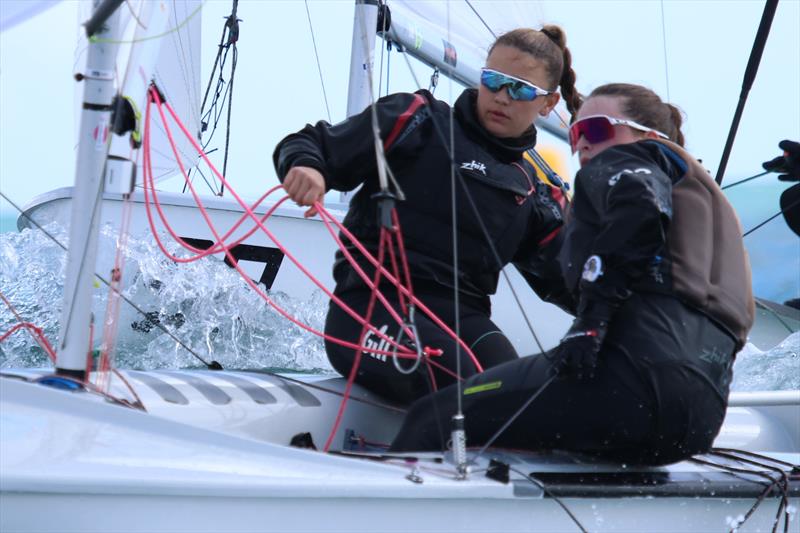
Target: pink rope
<point x="401" y="351"/>
<point x="435" y="319"/>
<point x="221" y="246"/>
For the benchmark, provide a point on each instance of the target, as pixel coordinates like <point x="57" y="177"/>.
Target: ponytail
<point x="572" y="97"/>
<point x="548" y="45"/>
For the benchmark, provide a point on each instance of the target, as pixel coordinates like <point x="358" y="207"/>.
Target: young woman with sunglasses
<point x="492" y="128"/>
<point x="653" y="254"/>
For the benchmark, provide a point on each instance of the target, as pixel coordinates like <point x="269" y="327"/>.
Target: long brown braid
<point x="550" y="46"/>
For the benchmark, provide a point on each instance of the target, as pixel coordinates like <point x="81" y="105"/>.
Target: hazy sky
<point x="278" y="90"/>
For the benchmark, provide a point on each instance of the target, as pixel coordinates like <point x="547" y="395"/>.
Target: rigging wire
<point x="552" y="496"/>
<point x="152" y="37"/>
<point x="781" y="483"/>
<point x="384" y="170"/>
<point x="34" y="331"/>
<point x="494" y="35"/>
<point x="38" y="336"/>
<point x="226" y="153"/>
<point x="459" y="440"/>
<point x="319" y="64"/>
<point x="388" y="65"/>
<point x="220" y="46"/>
<point x="108" y="284"/>
<point x="775" y="314"/>
<point x="134" y="15"/>
<point x="221" y="246"/>
<point x="480" y="18"/>
<point x="183" y="60"/>
<point x="213" y="365"/>
<point x="216" y="106"/>
<point x="95" y="212"/>
<point x="227" y="44"/>
<point x="513" y="417"/>
<point x="664" y="41"/>
<point x="745" y="180"/>
<point x="380" y="65"/>
<point x="475" y="211"/>
<point x="454" y="220"/>
<point x="773" y="217"/>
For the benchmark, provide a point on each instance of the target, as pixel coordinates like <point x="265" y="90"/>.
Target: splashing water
<point x="205" y="304"/>
<point x="732" y="523"/>
<point x="209" y="308"/>
<point x="775" y="369"/>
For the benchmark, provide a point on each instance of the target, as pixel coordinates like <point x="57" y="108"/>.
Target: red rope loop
<point x="399" y="275"/>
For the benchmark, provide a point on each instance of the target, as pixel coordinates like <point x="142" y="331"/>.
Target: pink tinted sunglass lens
<point x="594" y="129"/>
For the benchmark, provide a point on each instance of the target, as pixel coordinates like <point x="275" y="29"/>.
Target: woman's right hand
<point x="305" y="185"/>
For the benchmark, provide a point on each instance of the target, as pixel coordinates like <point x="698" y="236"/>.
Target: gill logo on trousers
<point x="372" y="343"/>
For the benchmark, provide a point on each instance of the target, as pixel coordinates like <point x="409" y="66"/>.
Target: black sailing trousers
<point x="378" y="372"/>
<point x="659" y="394"/>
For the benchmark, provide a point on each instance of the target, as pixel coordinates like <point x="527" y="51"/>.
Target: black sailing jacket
<point x="656" y="219"/>
<point x="621" y="209"/>
<point x="521" y="214"/>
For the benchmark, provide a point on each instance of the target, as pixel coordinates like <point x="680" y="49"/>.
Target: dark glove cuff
<point x="593" y="312"/>
<point x="600" y="299"/>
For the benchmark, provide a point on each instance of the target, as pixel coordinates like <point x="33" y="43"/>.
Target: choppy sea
<point x="211" y="310"/>
<point x="8" y="221"/>
<point x="205" y="304"/>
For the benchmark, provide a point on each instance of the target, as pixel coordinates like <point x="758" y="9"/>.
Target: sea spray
<point x="774" y="369"/>
<point x="204" y="304"/>
<point x="209" y="308"/>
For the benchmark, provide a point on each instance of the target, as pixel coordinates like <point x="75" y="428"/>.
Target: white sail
<point x="473" y="24"/>
<point x="13" y="12"/>
<point x="177" y="74"/>
<point x="456" y="36"/>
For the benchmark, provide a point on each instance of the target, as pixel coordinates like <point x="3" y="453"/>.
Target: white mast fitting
<point x="98" y="92"/>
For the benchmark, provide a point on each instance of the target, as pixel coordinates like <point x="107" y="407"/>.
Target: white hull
<point x="73" y="462"/>
<point x="211" y="454"/>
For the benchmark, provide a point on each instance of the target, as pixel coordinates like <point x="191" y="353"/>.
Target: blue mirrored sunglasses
<point x="517" y="89"/>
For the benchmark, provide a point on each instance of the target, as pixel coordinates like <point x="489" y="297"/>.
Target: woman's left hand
<point x="577" y="353"/>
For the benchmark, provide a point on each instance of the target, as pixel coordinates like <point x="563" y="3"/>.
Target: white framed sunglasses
<point x="600" y="128"/>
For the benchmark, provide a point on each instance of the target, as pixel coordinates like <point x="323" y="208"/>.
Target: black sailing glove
<point x="577" y="353"/>
<point x="787" y="164"/>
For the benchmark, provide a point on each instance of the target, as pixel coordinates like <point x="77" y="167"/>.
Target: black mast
<point x="100" y="16"/>
<point x="749" y="77"/>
